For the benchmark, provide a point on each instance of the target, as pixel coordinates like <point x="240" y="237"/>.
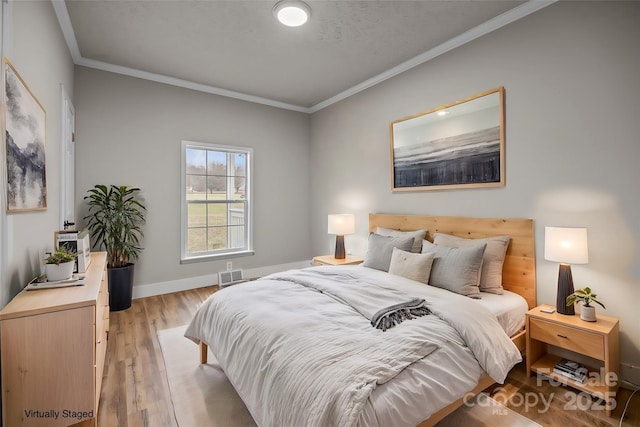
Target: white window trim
<point x="227" y="253"/>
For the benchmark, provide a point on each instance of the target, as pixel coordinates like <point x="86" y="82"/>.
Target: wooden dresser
<point x="53" y="345"/>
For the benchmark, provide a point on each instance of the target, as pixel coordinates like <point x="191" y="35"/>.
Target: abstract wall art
<point x="25" y="139"/>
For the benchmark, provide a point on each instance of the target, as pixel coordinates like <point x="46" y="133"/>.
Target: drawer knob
<point x="562" y="336"/>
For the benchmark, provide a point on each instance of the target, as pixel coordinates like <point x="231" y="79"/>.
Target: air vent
<point x="226" y="278"/>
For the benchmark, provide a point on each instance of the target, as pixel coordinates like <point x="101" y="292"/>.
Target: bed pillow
<point x="492" y="260"/>
<point x="380" y="248"/>
<point x="411" y="265"/>
<point x="456" y="269"/>
<point x="418" y="236"/>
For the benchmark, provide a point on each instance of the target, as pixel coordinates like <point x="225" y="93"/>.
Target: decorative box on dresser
<point x="598" y="340"/>
<point x="53" y="345"/>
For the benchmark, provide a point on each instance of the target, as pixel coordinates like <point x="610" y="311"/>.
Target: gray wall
<point x="570" y="73"/>
<point x="129" y="132"/>
<point x="34" y="44"/>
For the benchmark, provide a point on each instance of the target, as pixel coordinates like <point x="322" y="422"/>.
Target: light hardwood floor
<point x="135" y="391"/>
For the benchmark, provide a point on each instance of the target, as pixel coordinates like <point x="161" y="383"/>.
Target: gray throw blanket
<point x="383" y="307"/>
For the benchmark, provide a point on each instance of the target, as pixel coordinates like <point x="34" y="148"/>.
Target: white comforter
<point x="298" y="357"/>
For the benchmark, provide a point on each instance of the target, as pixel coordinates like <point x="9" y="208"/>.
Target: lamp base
<point x="340" y="254"/>
<point x="565" y="288"/>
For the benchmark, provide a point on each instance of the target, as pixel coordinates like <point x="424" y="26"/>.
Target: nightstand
<point x="331" y="260"/>
<point x="598" y="340"/>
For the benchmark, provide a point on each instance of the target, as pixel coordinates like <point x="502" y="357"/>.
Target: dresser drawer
<point x="584" y="342"/>
<point x="103" y="296"/>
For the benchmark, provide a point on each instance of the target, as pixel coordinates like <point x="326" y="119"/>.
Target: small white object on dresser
<point x="80" y="243"/>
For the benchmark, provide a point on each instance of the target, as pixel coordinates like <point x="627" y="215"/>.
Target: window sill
<point x="216" y="257"/>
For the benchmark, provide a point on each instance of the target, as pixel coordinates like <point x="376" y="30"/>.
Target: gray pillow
<point x="455" y="269"/>
<point x="418" y="236"/>
<point x="492" y="260"/>
<point x="411" y="265"/>
<point x="380" y="248"/>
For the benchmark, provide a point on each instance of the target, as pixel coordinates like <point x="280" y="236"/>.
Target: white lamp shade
<point x="341" y="224"/>
<point x="566" y="245"/>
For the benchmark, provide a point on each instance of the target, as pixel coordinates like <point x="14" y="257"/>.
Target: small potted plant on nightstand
<point x="586" y="297"/>
<point x="59" y="265"/>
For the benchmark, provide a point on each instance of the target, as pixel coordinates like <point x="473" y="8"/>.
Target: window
<point x="216" y="201"/>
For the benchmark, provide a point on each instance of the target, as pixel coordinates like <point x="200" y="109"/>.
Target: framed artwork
<point x="25" y="145"/>
<point x="458" y="145"/>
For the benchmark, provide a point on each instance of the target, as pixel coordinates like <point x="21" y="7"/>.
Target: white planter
<point x="62" y="271"/>
<point x="588" y="313"/>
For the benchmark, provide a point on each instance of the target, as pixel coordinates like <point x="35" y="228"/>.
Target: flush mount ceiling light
<point x="292" y="13"/>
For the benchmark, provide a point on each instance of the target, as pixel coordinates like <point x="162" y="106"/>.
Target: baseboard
<point x="160" y="288"/>
<point x="630" y="372"/>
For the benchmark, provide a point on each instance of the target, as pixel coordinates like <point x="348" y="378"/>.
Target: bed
<point x="296" y="356"/>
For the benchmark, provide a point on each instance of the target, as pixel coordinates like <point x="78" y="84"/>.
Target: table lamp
<point x="566" y="245"/>
<point x="340" y="225"/>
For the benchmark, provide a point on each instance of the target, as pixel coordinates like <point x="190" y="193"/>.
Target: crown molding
<point x="173" y="81"/>
<point x="493" y="24"/>
<point x="464" y="38"/>
<point x="60" y="8"/>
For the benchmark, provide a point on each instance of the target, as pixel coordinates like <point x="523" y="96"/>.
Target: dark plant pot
<point x="120" y="287"/>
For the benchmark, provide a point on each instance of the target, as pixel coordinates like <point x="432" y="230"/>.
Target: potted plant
<point x="59" y="265"/>
<point x="115" y="218"/>
<point x="586" y="297"/>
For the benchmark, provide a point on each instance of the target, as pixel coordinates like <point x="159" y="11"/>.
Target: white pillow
<point x="411" y="265"/>
<point x="380" y="248"/>
<point x="418" y="236"/>
<point x="455" y="269"/>
<point x="492" y="260"/>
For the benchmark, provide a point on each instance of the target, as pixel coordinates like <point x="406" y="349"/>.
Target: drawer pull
<point x="562" y="336"/>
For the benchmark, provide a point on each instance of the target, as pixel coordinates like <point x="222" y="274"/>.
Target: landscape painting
<point x="25" y="145"/>
<point x="459" y="145"/>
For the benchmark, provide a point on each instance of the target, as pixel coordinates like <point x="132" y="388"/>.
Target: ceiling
<point x="237" y="48"/>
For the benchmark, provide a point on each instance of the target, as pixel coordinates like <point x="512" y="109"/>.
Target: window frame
<point x="210" y="255"/>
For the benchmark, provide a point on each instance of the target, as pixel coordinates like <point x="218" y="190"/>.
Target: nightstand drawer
<point x="583" y="342"/>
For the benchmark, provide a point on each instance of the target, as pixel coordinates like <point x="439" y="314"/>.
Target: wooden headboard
<point x="519" y="270"/>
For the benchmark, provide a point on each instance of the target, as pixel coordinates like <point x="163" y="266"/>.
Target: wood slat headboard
<point x="519" y="270"/>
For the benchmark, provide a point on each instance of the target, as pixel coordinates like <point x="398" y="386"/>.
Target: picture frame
<point x="25" y="144"/>
<point x="457" y="145"/>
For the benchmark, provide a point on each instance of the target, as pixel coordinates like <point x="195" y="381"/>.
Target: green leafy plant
<point x="60" y="256"/>
<point x="115" y="218"/>
<point x="585" y="296"/>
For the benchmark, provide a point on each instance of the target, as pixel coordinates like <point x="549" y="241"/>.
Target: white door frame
<point x="67" y="161"/>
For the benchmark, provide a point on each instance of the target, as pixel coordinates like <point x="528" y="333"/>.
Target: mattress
<point x="235" y="319"/>
<point x="508" y="308"/>
<point x="436" y="373"/>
